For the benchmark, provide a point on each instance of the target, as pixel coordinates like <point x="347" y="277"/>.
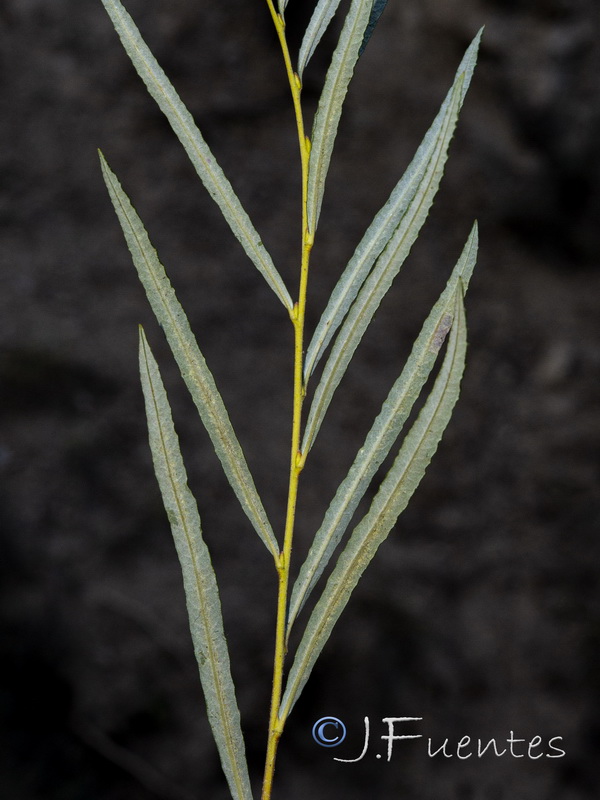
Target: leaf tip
<point x="143" y="346"/>
<point x="477" y="39"/>
<point x="106" y="170"/>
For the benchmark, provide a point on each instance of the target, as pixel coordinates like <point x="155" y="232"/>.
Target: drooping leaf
<point x="388" y="218"/>
<point x="322" y="16"/>
<point x="378" y="282"/>
<point x="376" y="12"/>
<point x="203" y="160"/>
<point x="329" y="109"/>
<point x="194" y="370"/>
<point x="385" y="430"/>
<point x="201" y="592"/>
<point x="394" y="493"/>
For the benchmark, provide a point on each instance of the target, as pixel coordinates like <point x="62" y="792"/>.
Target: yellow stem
<point x="296" y="459"/>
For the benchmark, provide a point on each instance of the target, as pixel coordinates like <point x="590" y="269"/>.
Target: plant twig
<point x="296" y="457"/>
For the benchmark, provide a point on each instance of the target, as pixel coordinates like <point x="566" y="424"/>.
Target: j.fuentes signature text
<point x="331" y="731"/>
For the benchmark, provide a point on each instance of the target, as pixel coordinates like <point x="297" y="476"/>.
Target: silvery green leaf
<point x="194" y="370"/>
<point x="329" y="109"/>
<point x="203" y="160"/>
<point x="379" y="281"/>
<point x="385" y="430"/>
<point x="376" y="12"/>
<point x="322" y="16"/>
<point x="388" y="218"/>
<point x="394" y="493"/>
<point x="201" y="592"/>
<point x="281" y="5"/>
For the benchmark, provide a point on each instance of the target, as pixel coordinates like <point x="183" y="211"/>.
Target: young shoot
<point x="361" y="286"/>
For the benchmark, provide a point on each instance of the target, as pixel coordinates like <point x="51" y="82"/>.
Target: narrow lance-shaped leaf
<point x="203" y="160"/>
<point x="385" y="430"/>
<point x="281" y="5"/>
<point x="201" y="592"/>
<point x="378" y="282"/>
<point x="376" y="12"/>
<point x="322" y="16"/>
<point x="388" y="218"/>
<point x="392" y="498"/>
<point x="194" y="370"/>
<point x="329" y="109"/>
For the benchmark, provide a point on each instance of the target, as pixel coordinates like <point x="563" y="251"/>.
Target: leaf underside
<point x="200" y="584"/>
<point x="329" y="109"/>
<point x="204" y="162"/>
<point x="390" y="216"/>
<point x="392" y="497"/>
<point x="194" y="370"/>
<point x="376" y="287"/>
<point x="385" y="429"/>
<point x="322" y="16"/>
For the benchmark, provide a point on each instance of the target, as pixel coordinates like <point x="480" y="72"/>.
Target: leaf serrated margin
<point x="204" y="162"/>
<point x="378" y="283"/>
<point x="200" y="584"/>
<point x="386" y="220"/>
<point x="385" y="429"/>
<point x="321" y="17"/>
<point x="195" y="372"/>
<point x="329" y="109"/>
<point x="394" y="493"/>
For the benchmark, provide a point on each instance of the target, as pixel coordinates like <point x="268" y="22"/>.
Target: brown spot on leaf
<point x="440" y="333"/>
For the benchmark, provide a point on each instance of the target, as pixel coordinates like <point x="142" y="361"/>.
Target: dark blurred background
<point x="481" y="612"/>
